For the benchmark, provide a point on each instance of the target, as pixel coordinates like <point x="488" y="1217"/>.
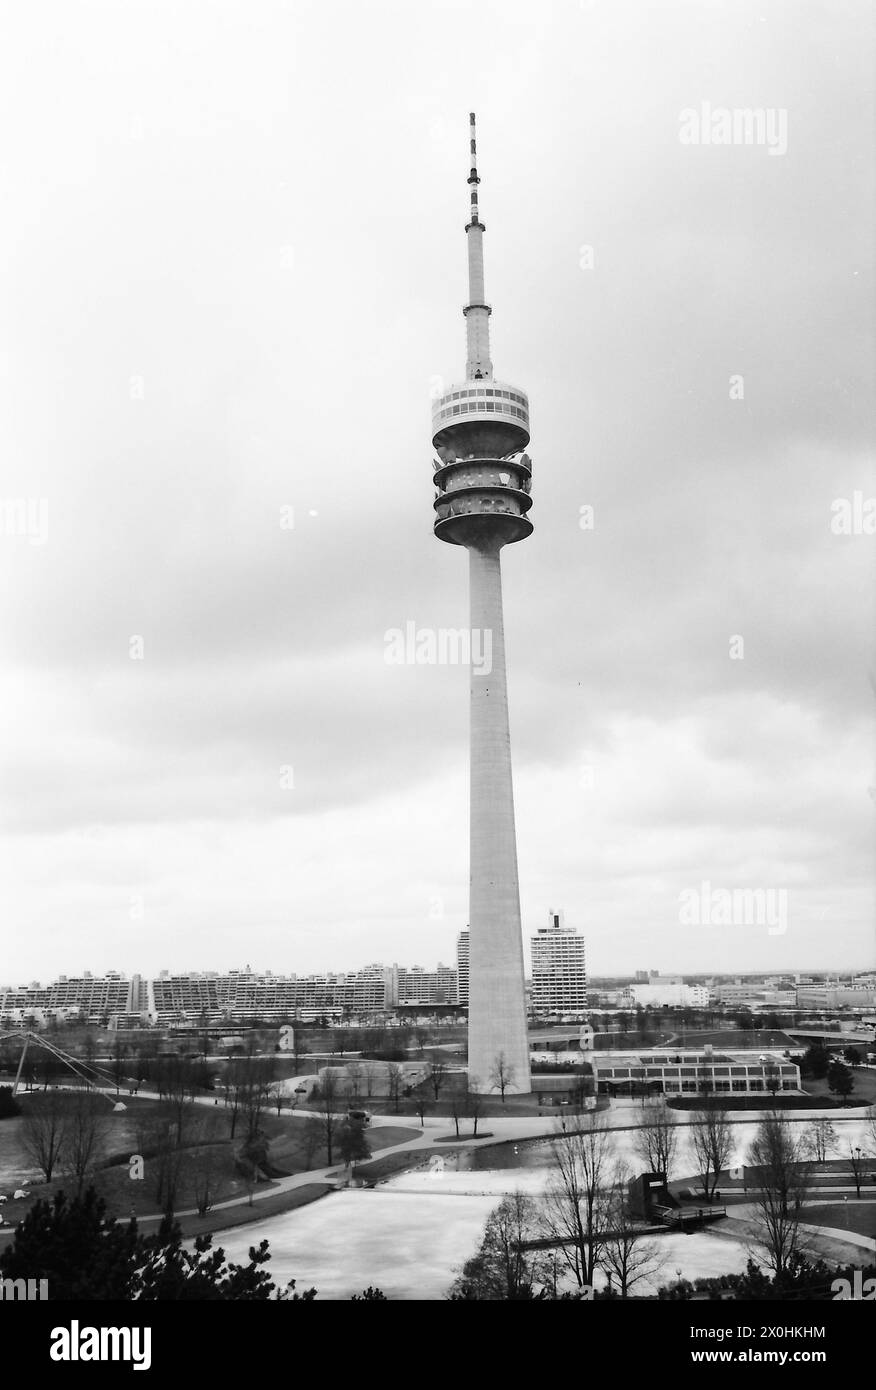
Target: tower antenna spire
<point x="477" y="312"/>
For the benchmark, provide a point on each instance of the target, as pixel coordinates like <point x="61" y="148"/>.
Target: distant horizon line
<point x="834" y="973"/>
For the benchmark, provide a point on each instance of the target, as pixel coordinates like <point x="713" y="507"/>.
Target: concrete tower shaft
<point x="496" y="991"/>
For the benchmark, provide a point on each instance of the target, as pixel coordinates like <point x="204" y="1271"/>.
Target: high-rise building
<point x="482" y="477"/>
<point x="419" y="986"/>
<point x="559" y="975"/>
<point x="462" y="967"/>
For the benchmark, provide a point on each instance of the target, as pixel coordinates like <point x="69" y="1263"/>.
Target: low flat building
<point x="671" y="995"/>
<point x="676" y="1072"/>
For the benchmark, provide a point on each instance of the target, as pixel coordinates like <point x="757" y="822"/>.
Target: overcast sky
<point x="233" y="265"/>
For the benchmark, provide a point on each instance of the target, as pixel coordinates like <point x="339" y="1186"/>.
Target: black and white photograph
<point x="438" y="670"/>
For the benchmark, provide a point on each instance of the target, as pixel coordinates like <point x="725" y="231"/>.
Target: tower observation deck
<point x="482" y="477"/>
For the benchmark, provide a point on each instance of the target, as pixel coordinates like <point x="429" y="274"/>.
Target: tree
<point x="656" y="1140"/>
<point x="474" y="1103"/>
<point x="9" y="1106"/>
<point x="89" y="1047"/>
<point x="175" y="1086"/>
<point x="44" y="1131"/>
<point x="421" y="1105"/>
<point x="329" y="1120"/>
<point x="819" y="1140"/>
<point x="394" y="1083"/>
<point x="354" y="1076"/>
<point x="772" y="1078"/>
<point x="458" y="1102"/>
<point x="626" y="1256"/>
<point x="853" y="1056"/>
<point x="255" y="1093"/>
<point x="369" y="1295"/>
<point x="369" y="1076"/>
<point x="299" y="1048"/>
<point x="778" y="1154"/>
<point x="166" y="1164"/>
<point x="117" y="1068"/>
<point x="353" y="1142"/>
<point x="311" y="1138"/>
<point x="815" y="1061"/>
<point x="84" y="1138"/>
<point x="840" y="1080"/>
<point x="206" y="1179"/>
<point x="712" y="1141"/>
<point x="857" y="1160"/>
<point x="84" y="1254"/>
<point x="575" y="1198"/>
<point x="75" y="1247"/>
<point x="503" y="1074"/>
<point x="252" y="1160"/>
<point x="438" y="1072"/>
<point x="504" y="1268"/>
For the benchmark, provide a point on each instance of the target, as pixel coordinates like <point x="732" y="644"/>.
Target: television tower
<point x="480" y="430"/>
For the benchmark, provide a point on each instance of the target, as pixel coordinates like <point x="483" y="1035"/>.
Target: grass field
<point x="865" y="1086"/>
<point x="844" y="1216"/>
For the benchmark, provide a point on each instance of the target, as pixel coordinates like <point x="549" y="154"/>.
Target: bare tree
<point x="421" y="1105"/>
<point x="778" y="1154"/>
<point x="44" y="1131"/>
<point x="312" y="1137"/>
<point x="819" y="1140"/>
<point x="233" y="1091"/>
<point x="369" y="1076"/>
<point x="177" y="1088"/>
<point x="712" y="1140"/>
<point x="656" y="1140"/>
<point x="205" y="1174"/>
<point x="576" y="1198"/>
<point x="120" y="1052"/>
<point x="458" y="1108"/>
<point x="504" y="1267"/>
<point x="772" y="1077"/>
<point x="354" y="1076"/>
<point x="394" y="1083"/>
<point x="299" y="1048"/>
<point x="857" y="1160"/>
<point x="871" y="1130"/>
<point x="255" y="1089"/>
<point x="626" y="1256"/>
<point x="438" y="1072"/>
<point x="474" y="1103"/>
<point x="84" y="1137"/>
<point x="328" y="1118"/>
<point x="502" y="1075"/>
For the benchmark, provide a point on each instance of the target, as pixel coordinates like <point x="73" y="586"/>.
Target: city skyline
<point x="234" y="478"/>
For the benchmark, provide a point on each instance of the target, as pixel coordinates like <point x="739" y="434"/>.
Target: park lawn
<point x="865" y="1086"/>
<point x="243" y="1214"/>
<point x="844" y="1216"/>
<point x="287" y="1154"/>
